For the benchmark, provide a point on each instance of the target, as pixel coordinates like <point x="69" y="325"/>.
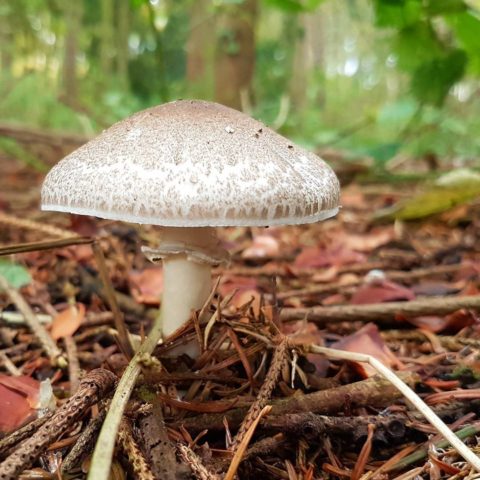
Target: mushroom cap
<point x="192" y="163"/>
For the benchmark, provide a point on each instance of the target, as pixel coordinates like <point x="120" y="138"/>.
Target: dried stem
<point x="102" y="456"/>
<point x="93" y="387"/>
<point x="16" y="222"/>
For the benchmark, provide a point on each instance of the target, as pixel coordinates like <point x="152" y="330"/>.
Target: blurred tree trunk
<point x="235" y="53"/>
<point x="106" y="36"/>
<point x="308" y="57"/>
<point x="123" y="22"/>
<point x="200" y="48"/>
<point x="73" y="17"/>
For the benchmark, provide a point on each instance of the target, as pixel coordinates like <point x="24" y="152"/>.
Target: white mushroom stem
<point x="188" y="255"/>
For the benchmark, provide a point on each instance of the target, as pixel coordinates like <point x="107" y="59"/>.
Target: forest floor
<point x="405" y="293"/>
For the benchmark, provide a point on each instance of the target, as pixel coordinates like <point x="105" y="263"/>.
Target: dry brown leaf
<point x="369" y="341"/>
<point x="66" y="323"/>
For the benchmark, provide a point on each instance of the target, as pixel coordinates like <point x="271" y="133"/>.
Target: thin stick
<point x="232" y="470"/>
<point x="73" y="363"/>
<point x="45" y="340"/>
<point x="427" y="412"/>
<point x="123" y="337"/>
<point x="381" y="312"/>
<point x="48" y="245"/>
<point x="102" y="456"/>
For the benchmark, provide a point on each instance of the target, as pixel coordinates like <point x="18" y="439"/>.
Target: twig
<point x="21" y="434"/>
<point x="409" y="394"/>
<point x="140" y="467"/>
<point x="93" y="387"/>
<point x="232" y="470"/>
<point x="9" y="366"/>
<point x="123" y="337"/>
<point x="364" y="454"/>
<point x="18" y="318"/>
<point x="103" y="453"/>
<point x="381" y="312"/>
<point x="278" y="361"/>
<point x="375" y="392"/>
<point x="84" y="443"/>
<point x="191" y="459"/>
<point x="73" y="364"/>
<point x="48" y="245"/>
<point x="45" y="340"/>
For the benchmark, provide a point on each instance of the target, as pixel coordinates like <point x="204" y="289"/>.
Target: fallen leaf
<point x="381" y="291"/>
<point x="452" y="323"/>
<point x="369" y="241"/>
<point x="147" y="285"/>
<point x="67" y="322"/>
<point x="369" y="341"/>
<point x="18" y="401"/>
<point x="316" y="257"/>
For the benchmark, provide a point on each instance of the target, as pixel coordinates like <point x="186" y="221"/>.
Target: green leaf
<point x="416" y="44"/>
<point x="452" y="189"/>
<point x="397" y="13"/>
<point x="432" y="80"/>
<point x="295" y="6"/>
<point x="16" y="275"/>
<point x="466" y="27"/>
<point x="443" y="7"/>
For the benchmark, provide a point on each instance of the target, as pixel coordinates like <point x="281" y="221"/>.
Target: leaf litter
<point x="328" y="418"/>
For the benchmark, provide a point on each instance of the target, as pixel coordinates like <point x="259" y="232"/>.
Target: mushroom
<point x="191" y="166"/>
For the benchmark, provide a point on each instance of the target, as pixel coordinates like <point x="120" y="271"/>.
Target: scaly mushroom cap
<point x="192" y="163"/>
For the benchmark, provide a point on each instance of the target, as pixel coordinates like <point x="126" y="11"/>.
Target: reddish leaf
<point x="18" y="400"/>
<point x="147" y="285"/>
<point x="231" y="283"/>
<point x="263" y="246"/>
<point x="368" y="340"/>
<point x="66" y="323"/>
<point x="315" y="257"/>
<point x="381" y="291"/>
<point x="453" y="322"/>
<point x="84" y="225"/>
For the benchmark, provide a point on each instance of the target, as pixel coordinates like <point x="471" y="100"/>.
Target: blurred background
<point x="380" y="87"/>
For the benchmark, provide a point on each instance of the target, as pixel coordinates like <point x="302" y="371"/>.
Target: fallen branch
<point x="93" y="388"/>
<point x="375" y="392"/>
<point x="381" y="312"/>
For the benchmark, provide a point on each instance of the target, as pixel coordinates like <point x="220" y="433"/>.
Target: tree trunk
<point x="123" y="22"/>
<point x="200" y="49"/>
<point x="106" y="37"/>
<point x="235" y="53"/>
<point x="73" y="18"/>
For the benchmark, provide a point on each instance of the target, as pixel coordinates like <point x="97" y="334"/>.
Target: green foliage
<point x="433" y="79"/>
<point x="16" y="275"/>
<point x="295" y="6"/>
